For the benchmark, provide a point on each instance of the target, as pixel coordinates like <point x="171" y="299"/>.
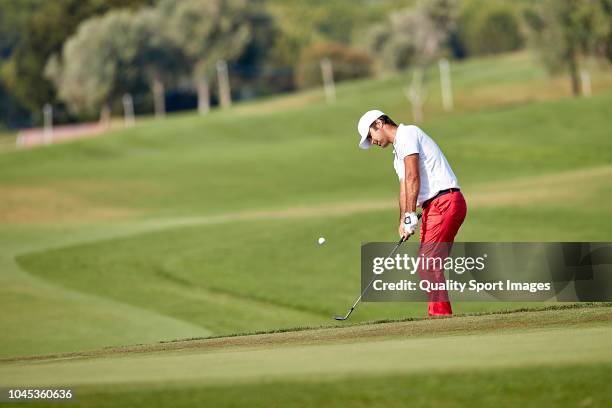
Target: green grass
<point x="559" y="357"/>
<point x="245" y="270"/>
<point x="208" y="276"/>
<point x="565" y="386"/>
<point x="195" y="226"/>
<point x="7" y="141"/>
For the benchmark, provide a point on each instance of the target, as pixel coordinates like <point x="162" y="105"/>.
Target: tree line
<point x="83" y="56"/>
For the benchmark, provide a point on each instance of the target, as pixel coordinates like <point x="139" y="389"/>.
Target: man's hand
<point x="409" y="225"/>
<point x="402" y="232"/>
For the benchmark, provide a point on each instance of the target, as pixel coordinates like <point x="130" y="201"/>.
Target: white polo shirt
<point x="434" y="170"/>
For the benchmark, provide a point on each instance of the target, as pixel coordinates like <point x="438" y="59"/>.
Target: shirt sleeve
<point x="407" y="143"/>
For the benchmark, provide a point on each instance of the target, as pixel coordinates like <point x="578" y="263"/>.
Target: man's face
<point x="377" y="135"/>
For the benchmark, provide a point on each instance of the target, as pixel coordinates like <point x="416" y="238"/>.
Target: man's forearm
<point x="402" y="204"/>
<point x="412" y="192"/>
<point x="412" y="182"/>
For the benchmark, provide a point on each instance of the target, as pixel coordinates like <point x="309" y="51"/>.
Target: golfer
<point x="426" y="180"/>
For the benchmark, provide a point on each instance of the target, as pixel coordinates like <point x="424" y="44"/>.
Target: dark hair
<point x="387" y="120"/>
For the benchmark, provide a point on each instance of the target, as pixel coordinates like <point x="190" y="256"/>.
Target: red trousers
<point x="440" y="222"/>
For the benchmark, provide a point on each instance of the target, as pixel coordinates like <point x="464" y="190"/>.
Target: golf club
<point x="372" y="280"/>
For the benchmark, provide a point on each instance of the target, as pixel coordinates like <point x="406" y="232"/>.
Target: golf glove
<point x="410" y="222"/>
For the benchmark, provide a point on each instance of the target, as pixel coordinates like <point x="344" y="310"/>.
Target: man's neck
<point x="392" y="134"/>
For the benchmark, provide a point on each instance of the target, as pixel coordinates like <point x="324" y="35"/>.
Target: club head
<point x="347" y="315"/>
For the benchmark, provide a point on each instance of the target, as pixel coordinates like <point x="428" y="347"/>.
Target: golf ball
<point x="321" y="240"/>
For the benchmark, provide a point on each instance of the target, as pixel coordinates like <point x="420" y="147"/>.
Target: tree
<point x="417" y="35"/>
<point x="111" y="55"/>
<point x="566" y="30"/>
<point x="605" y="36"/>
<point x="254" y="71"/>
<point x="207" y="31"/>
<point x="348" y="63"/>
<point x="488" y="27"/>
<point x="44" y="35"/>
<point x="154" y="53"/>
<point x="12" y="18"/>
<point x="435" y="21"/>
<point x="305" y="23"/>
<point x="92" y="68"/>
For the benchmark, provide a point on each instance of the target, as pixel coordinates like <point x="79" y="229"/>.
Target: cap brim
<point x="365" y="143"/>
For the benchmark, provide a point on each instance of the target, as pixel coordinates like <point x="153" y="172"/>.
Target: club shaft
<point x="374" y="277"/>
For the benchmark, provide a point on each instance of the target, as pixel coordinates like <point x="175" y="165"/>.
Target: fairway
<point x="544" y="345"/>
<point x="198" y="226"/>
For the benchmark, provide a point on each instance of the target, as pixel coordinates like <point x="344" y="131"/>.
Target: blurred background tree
<point x="392" y="44"/>
<point x="207" y="31"/>
<point x="566" y="31"/>
<point x="155" y="55"/>
<point x="416" y="35"/>
<point x="347" y="63"/>
<point x="45" y="30"/>
<point x="490" y="27"/>
<point x="303" y="24"/>
<point x="94" y="67"/>
<point x="271" y="46"/>
<point x="13" y="16"/>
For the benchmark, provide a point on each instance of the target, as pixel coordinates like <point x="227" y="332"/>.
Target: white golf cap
<point x="363" y="127"/>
